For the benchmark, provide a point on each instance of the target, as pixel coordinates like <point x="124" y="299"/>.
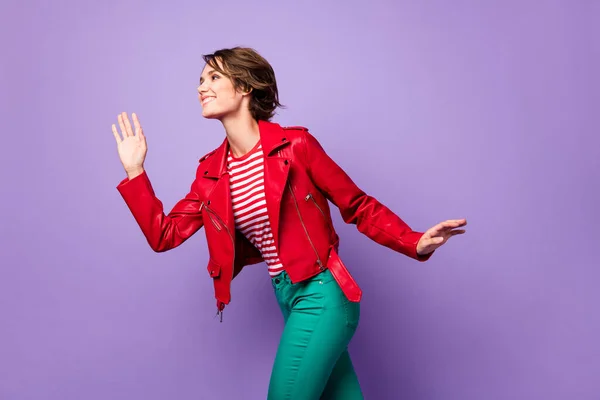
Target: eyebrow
<point x="210" y="72"/>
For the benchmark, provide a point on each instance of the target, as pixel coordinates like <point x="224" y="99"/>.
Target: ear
<point x="246" y="91"/>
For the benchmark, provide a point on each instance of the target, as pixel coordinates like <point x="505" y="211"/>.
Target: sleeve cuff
<point x="136" y="186"/>
<point x="424" y="257"/>
<point x="411" y="240"/>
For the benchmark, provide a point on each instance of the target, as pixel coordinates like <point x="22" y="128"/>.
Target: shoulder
<point x="296" y="134"/>
<point x="207" y="155"/>
<point x="303" y="141"/>
<point x="301" y="134"/>
<point x="295" y="128"/>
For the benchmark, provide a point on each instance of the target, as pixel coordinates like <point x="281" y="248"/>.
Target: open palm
<point x="439" y="234"/>
<point x="132" y="146"/>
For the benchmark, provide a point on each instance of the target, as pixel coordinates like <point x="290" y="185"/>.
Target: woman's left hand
<point x="439" y="234"/>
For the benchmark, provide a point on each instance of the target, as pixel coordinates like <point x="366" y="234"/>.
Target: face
<point x="218" y="96"/>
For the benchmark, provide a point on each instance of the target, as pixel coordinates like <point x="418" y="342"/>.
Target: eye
<point x="215" y="76"/>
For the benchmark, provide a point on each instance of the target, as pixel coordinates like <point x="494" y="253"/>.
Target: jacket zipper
<point x="211" y="212"/>
<point x="215" y="223"/>
<point x="319" y="262"/>
<point x="305" y="230"/>
<point x="310" y="196"/>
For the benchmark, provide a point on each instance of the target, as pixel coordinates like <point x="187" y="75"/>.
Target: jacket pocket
<point x="213" y="219"/>
<point x="214" y="269"/>
<point x="310" y="197"/>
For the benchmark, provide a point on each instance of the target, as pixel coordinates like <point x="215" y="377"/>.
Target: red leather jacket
<point x="299" y="179"/>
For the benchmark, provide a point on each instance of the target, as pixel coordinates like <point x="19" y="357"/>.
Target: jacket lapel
<point x="276" y="171"/>
<point x="219" y="196"/>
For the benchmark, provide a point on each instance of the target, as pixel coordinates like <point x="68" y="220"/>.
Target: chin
<point x="209" y="115"/>
<point x="212" y="114"/>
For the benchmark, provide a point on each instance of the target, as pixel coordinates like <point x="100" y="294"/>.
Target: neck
<point x="242" y="133"/>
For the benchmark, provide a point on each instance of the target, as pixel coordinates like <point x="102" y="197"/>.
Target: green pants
<point x="312" y="360"/>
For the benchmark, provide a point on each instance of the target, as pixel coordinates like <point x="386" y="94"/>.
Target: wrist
<point x="421" y="250"/>
<point x="133" y="172"/>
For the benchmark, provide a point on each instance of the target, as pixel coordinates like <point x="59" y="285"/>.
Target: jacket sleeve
<point x="163" y="232"/>
<point x="371" y="217"/>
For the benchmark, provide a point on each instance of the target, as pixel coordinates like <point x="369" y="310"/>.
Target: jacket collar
<point x="272" y="137"/>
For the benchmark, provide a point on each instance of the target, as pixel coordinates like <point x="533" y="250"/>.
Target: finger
<point x="445" y="226"/>
<point x="453" y="223"/>
<point x="116" y="134"/>
<point x="136" y="123"/>
<point x="458" y="222"/>
<point x="122" y="126"/>
<point x="128" y="124"/>
<point x="434" y="241"/>
<point x="139" y="134"/>
<point x="458" y="232"/>
<point x="438" y="229"/>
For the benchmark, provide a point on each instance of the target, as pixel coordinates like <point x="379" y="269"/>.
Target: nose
<point x="202" y="88"/>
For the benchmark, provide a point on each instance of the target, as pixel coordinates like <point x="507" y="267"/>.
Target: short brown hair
<point x="248" y="70"/>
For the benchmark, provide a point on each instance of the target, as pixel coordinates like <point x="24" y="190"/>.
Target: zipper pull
<point x="320" y="265"/>
<point x="307" y="197"/>
<point x="220" y="307"/>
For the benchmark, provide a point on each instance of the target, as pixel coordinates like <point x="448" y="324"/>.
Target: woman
<point x="262" y="195"/>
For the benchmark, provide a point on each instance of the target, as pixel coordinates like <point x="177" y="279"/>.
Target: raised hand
<point x="439" y="234"/>
<point x="132" y="147"/>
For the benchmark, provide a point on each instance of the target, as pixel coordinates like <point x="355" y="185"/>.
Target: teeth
<point x="208" y="100"/>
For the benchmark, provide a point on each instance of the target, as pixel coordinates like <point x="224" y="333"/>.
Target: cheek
<point x="227" y="97"/>
<point x="229" y="92"/>
<point x="220" y="86"/>
<point x="230" y="96"/>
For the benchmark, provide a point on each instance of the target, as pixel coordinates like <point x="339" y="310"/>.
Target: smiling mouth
<point x="207" y="100"/>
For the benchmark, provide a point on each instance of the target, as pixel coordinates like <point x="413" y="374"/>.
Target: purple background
<point x="483" y="110"/>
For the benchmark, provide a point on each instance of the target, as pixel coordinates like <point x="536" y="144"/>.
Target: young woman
<point x="263" y="195"/>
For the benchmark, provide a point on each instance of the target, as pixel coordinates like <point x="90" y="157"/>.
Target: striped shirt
<point x="246" y="182"/>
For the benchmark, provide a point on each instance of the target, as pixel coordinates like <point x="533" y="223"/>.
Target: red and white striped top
<point x="246" y="181"/>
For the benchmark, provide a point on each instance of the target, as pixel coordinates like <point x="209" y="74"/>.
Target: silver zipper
<point x="210" y="216"/>
<point x="305" y="230"/>
<point x="215" y="224"/>
<point x="319" y="262"/>
<point x="310" y="196"/>
<point x="232" y="245"/>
